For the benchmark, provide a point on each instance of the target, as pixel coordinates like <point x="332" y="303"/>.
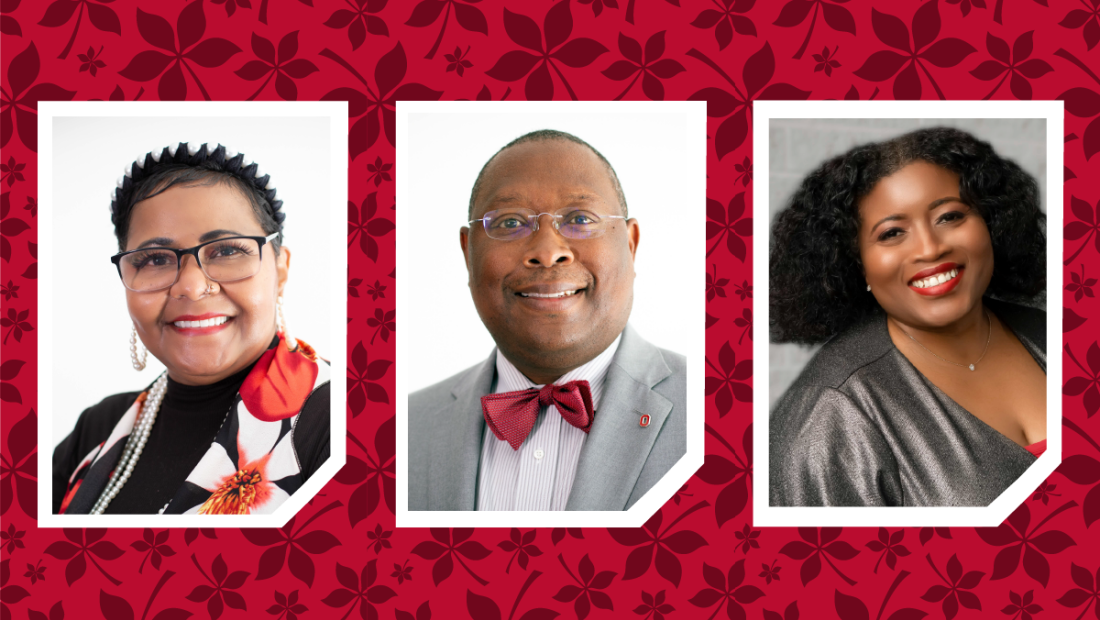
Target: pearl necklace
<point x="134" y="445"/>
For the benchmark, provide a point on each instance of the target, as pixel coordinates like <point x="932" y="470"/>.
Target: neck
<point x="960" y="342"/>
<point x="543" y="376"/>
<point x="550" y="369"/>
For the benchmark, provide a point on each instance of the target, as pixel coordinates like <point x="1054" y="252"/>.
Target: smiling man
<point x="573" y="410"/>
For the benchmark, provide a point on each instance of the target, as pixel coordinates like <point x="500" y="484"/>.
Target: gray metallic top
<point x="861" y="426"/>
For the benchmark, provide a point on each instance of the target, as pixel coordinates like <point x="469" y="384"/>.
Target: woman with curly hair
<point x="908" y="259"/>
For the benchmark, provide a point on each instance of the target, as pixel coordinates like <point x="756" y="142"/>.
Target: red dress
<point x="1037" y="448"/>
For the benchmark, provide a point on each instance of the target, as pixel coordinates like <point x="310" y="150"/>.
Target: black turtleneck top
<point x="186" y="424"/>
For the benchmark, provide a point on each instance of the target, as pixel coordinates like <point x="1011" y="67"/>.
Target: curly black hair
<point x="816" y="274"/>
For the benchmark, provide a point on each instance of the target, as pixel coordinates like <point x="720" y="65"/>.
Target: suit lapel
<point x="617" y="446"/>
<point x="457" y="443"/>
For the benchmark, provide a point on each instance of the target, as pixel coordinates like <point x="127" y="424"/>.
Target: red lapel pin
<point x="644" y="421"/>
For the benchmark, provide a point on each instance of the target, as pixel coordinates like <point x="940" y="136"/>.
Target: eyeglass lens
<point x="222" y="261"/>
<point x="516" y="223"/>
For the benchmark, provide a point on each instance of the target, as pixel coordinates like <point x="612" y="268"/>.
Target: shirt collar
<point x="510" y="379"/>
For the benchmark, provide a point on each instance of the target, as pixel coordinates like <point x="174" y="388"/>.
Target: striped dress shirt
<point x="538" y="476"/>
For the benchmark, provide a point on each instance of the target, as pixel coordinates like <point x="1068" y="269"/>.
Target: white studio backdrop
<point x="653" y="152"/>
<point x="91" y="324"/>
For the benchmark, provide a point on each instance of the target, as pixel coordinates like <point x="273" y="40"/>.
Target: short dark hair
<point x="816" y="277"/>
<point x="546" y="135"/>
<point x="157" y="173"/>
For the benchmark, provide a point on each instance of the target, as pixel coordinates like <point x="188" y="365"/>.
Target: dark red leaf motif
<point x="21" y="101"/>
<point x="377" y="110"/>
<point x="758" y="70"/>
<point x="448" y="547"/>
<point x="812" y="549"/>
<point x="883" y="65"/>
<point x="652" y="541"/>
<point x="361" y="380"/>
<point x="727" y="20"/>
<point x="650" y="67"/>
<point x="557" y="27"/>
<point x="190" y="27"/>
<point x="1030" y="545"/>
<point x="426" y="12"/>
<point x="729" y="382"/>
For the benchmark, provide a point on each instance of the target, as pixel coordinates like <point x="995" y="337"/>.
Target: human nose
<point x="191" y="282"/>
<point x="931" y="244"/>
<point x="547" y="247"/>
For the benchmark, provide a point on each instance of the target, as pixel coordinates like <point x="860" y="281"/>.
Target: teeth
<point x="549" y="295"/>
<point x="936" y="279"/>
<point x="204" y="323"/>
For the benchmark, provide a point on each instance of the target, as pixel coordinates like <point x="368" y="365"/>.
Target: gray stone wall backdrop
<point x="798" y="146"/>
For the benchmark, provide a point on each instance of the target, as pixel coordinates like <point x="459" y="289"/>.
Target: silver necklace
<point x="971" y="366"/>
<point x="134" y="445"/>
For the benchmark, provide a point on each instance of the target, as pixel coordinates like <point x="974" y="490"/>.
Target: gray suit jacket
<point x="620" y="459"/>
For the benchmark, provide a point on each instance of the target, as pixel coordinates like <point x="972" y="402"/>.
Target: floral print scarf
<point x="250" y="468"/>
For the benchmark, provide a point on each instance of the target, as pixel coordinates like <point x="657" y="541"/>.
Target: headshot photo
<point x="210" y="392"/>
<point x="573" y="393"/>
<point x="907" y="291"/>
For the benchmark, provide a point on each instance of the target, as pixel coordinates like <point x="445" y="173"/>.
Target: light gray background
<point x="650" y="154"/>
<point x="798" y="146"/>
<point x="91" y="323"/>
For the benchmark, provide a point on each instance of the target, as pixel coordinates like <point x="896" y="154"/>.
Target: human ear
<point x="282" y="267"/>
<point x="633" y="234"/>
<point x="464" y="241"/>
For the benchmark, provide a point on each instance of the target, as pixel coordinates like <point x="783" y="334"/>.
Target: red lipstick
<point x="192" y="328"/>
<point x="931" y="271"/>
<point x="938" y="289"/>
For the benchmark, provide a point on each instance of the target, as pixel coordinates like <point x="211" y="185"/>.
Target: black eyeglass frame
<point x="117" y="259"/>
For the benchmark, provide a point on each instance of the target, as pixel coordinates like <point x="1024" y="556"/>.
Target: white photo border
<point x="337" y="114"/>
<point x="993" y="515"/>
<point x="694" y="209"/>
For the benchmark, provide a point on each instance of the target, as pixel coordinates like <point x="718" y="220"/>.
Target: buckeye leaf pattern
<point x="184" y="46"/>
<point x="280" y="65"/>
<point x="924" y="48"/>
<point x="372" y="54"/>
<point x="551" y="46"/>
<point x="363" y="376"/>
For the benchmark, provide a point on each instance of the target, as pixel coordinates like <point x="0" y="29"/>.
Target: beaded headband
<point x="193" y="154"/>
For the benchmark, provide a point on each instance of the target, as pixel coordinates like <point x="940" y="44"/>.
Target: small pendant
<point x="972" y="367"/>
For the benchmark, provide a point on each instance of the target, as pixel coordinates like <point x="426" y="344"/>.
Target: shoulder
<point x="824" y="450"/>
<point x="101" y="418"/>
<point x="316" y="410"/>
<point x="845" y="354"/>
<point x="810" y="413"/>
<point x="676" y="362"/>
<point x="439" y="394"/>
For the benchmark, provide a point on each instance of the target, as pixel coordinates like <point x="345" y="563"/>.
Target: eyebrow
<point x="210" y="236"/>
<point x="519" y="198"/>
<point x="898" y="216"/>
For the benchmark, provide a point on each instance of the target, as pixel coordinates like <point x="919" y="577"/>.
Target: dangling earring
<point x="291" y="343"/>
<point x="139" y="363"/>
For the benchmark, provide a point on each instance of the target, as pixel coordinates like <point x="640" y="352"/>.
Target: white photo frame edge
<point x="993" y="515"/>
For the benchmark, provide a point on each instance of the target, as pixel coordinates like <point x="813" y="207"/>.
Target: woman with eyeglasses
<point x="240" y="418"/>
<point x="919" y="262"/>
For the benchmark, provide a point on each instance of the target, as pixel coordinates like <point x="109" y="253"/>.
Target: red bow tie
<point x="512" y="415"/>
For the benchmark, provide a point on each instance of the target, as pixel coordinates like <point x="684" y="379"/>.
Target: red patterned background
<point x="701" y="555"/>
